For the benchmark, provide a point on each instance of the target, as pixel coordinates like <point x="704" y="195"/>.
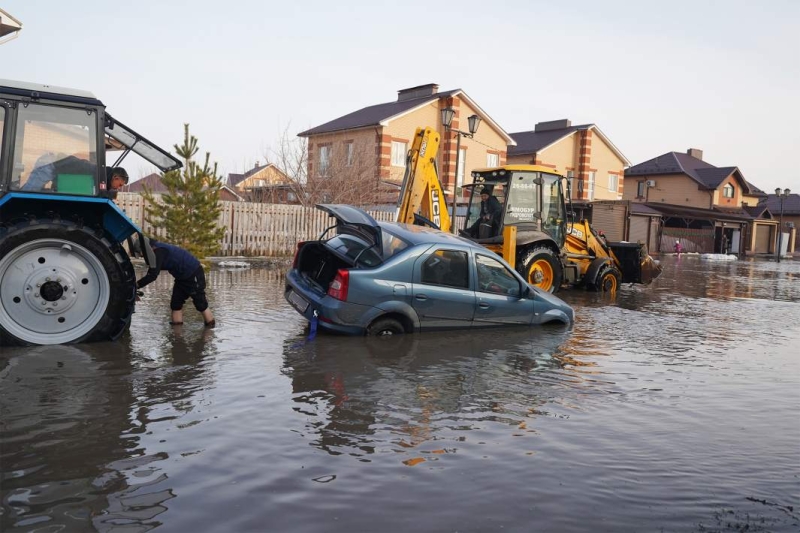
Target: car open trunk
<point x="319" y="265"/>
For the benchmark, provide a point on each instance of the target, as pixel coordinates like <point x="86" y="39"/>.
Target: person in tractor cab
<point x="490" y="214"/>
<point x="190" y="280"/>
<point x="50" y="165"/>
<point x="116" y="178"/>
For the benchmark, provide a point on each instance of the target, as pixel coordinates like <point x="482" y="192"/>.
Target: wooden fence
<point x="253" y="229"/>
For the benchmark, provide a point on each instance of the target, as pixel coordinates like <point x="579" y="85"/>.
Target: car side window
<point x="446" y="267"/>
<point x="494" y="277"/>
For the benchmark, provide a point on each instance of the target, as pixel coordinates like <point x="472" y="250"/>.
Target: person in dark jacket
<point x="190" y="280"/>
<point x="490" y="213"/>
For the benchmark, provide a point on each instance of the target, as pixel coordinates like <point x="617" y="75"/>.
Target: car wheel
<point x="542" y="268"/>
<point x="608" y="280"/>
<point x="385" y="327"/>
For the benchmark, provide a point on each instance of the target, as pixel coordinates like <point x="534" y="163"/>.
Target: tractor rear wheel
<point x="61" y="282"/>
<point x="542" y="268"/>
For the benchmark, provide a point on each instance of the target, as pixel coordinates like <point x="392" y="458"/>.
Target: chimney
<point x="256" y="165"/>
<point x="694" y="152"/>
<point x="553" y="125"/>
<point x="419" y="91"/>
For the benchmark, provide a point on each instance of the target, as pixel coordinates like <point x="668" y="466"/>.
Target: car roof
<point x="425" y="235"/>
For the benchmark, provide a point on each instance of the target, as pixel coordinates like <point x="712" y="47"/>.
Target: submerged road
<point x="672" y="407"/>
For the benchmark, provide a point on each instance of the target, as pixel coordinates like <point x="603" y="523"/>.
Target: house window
<point x="324" y="160"/>
<point x="590" y="191"/>
<point x="462" y="162"/>
<point x="348" y="148"/>
<point x="492" y="160"/>
<point x="398" y="154"/>
<point x="612" y="182"/>
<point x="641" y="189"/>
<point x="727" y="191"/>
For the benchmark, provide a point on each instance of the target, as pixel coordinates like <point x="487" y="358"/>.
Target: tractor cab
<point x="54" y="141"/>
<point x="529" y="197"/>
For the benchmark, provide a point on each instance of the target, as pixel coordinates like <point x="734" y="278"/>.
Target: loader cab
<point x="531" y="198"/>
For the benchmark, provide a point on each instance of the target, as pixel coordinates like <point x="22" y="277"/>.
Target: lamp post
<point x="447" y="118"/>
<point x="782" y="195"/>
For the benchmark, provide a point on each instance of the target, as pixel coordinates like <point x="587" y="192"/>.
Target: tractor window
<point x="524" y="199"/>
<point x="55" y="150"/>
<point x="553" y="216"/>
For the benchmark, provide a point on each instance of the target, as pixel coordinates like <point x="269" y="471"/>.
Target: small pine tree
<point x="190" y="209"/>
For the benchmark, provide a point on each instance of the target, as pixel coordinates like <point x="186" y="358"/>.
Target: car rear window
<point x="352" y="247"/>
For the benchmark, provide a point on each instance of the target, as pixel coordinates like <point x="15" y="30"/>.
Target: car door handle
<point x="483" y="305"/>
<point x="421" y="297"/>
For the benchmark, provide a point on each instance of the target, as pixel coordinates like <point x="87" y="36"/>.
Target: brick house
<point x="583" y="153"/>
<point x="705" y="207"/>
<point x="371" y="144"/>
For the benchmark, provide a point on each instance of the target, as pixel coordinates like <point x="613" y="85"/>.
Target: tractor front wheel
<point x="608" y="280"/>
<point x="542" y="268"/>
<point x="61" y="283"/>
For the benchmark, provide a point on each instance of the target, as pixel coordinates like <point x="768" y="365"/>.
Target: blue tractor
<point x="64" y="275"/>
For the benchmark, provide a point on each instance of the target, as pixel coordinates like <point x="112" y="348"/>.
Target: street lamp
<point x="782" y="195"/>
<point x="447" y="118"/>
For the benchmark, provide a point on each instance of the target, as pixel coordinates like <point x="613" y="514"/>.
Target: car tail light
<point x="297" y="254"/>
<point x="338" y="287"/>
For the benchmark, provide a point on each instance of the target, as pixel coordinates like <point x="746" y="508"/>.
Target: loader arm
<point x="422" y="199"/>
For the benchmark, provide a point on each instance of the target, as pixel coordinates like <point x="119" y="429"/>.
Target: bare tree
<point x="348" y="174"/>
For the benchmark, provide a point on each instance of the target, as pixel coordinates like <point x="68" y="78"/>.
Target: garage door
<point x="610" y="219"/>
<point x="639" y="227"/>
<point x="763" y="239"/>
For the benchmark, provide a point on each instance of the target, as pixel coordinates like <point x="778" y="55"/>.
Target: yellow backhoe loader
<point x="525" y="222"/>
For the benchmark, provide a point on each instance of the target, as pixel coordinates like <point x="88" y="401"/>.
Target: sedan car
<point x="383" y="278"/>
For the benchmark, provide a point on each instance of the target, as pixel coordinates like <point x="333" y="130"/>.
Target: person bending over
<point x="190" y="280"/>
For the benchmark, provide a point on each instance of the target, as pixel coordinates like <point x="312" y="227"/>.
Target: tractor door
<point x="55" y="150"/>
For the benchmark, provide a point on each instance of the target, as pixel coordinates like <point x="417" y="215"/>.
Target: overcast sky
<point x="722" y="76"/>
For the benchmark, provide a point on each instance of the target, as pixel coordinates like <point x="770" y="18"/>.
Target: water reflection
<point x="362" y="394"/>
<point x="73" y="418"/>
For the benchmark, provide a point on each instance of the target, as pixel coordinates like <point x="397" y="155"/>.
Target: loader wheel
<point x="542" y="268"/>
<point x="385" y="327"/>
<point x="608" y="280"/>
<point x="62" y="283"/>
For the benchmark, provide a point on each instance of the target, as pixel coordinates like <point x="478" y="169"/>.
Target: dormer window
<point x="727" y="191"/>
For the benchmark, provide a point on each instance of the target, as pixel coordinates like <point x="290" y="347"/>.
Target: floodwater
<point x="673" y="407"/>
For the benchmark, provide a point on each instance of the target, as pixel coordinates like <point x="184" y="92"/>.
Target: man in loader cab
<point x="490" y="214"/>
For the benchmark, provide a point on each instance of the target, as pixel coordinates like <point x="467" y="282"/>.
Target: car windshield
<point x="355" y="248"/>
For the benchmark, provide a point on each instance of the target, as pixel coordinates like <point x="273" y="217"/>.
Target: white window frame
<point x="492" y="160"/>
<point x="348" y="150"/>
<point x="590" y="189"/>
<point x="324" y="159"/>
<point x="725" y="188"/>
<point x="399" y="153"/>
<point x="462" y="163"/>
<point x="613" y="182"/>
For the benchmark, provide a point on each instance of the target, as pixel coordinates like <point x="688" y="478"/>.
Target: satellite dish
<point x="9" y="27"/>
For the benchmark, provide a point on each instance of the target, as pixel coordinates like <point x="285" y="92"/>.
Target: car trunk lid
<point x="356" y="221"/>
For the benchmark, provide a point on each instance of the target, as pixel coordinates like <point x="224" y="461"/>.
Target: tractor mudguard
<point x="594" y="269"/>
